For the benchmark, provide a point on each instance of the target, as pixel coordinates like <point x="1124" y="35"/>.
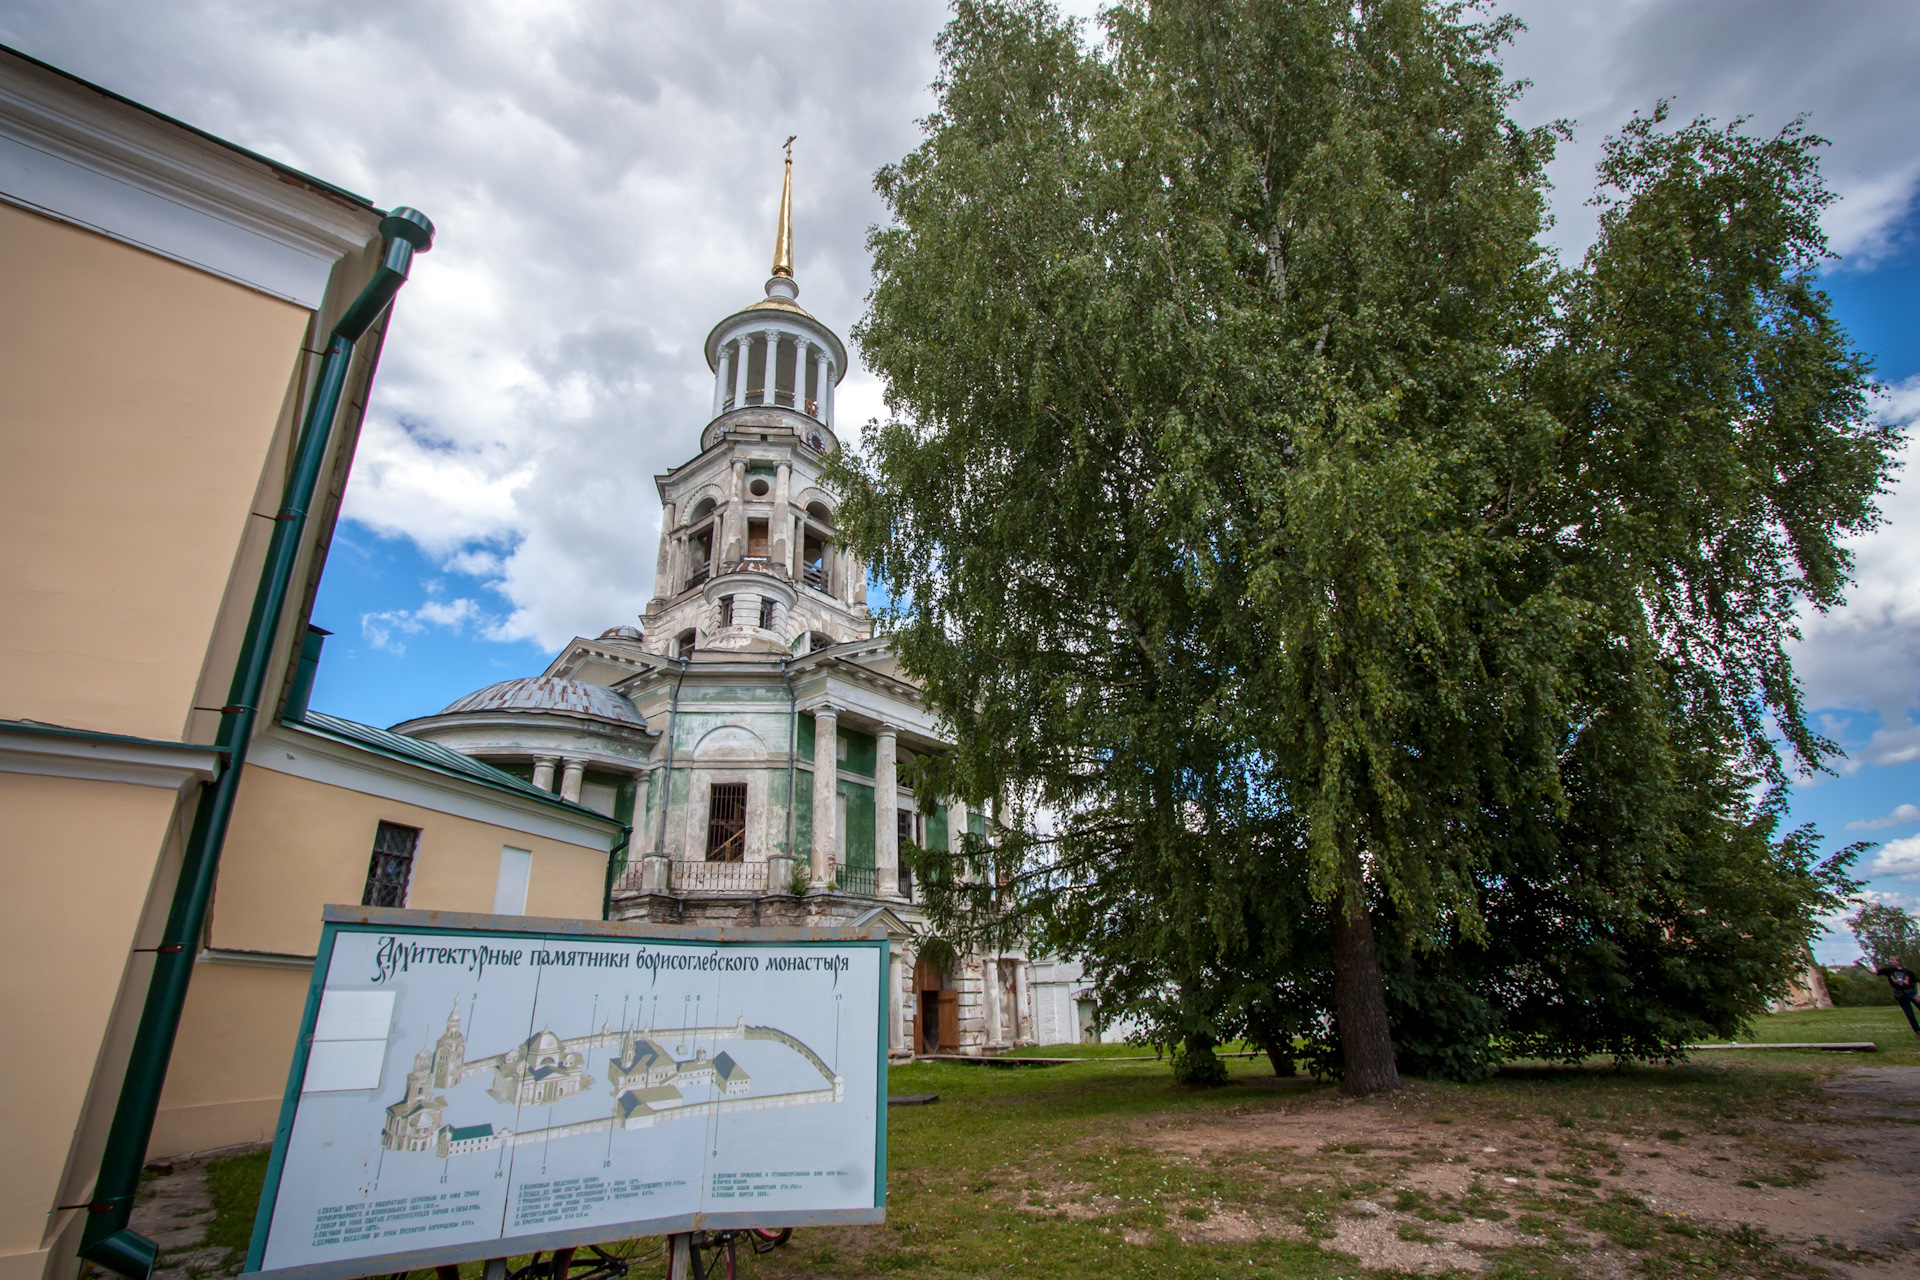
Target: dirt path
<point x="1434" y="1182"/>
<point x="173" y="1210"/>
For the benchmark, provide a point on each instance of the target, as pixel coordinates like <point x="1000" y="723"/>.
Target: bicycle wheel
<point x="766" y="1241"/>
<point x="722" y="1265"/>
<point x="614" y="1260"/>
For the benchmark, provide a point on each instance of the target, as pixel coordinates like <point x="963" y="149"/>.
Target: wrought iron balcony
<point x="858" y="881"/>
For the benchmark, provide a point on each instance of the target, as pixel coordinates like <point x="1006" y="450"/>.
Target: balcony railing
<point x="697" y="575"/>
<point x="858" y="881"/>
<point x="815" y="576"/>
<point x="718" y="877"/>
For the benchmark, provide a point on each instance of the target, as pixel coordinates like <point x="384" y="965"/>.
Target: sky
<point x="604" y="176"/>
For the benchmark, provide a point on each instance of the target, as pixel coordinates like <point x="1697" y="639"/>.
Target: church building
<point x="753" y="732"/>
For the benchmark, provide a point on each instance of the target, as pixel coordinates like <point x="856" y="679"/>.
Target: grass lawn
<point x="1106" y="1168"/>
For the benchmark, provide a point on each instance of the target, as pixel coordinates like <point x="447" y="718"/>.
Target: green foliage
<point x="1267" y="507"/>
<point x="1886" y="933"/>
<point x="1195" y="1063"/>
<point x="1855" y="988"/>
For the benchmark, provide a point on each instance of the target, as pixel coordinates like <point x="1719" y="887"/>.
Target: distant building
<point x="755" y="732"/>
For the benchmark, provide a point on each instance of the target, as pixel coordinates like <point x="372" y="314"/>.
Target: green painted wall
<point x="806" y="735"/>
<point x="937" y="829"/>
<point x="803" y="815"/>
<point x="862" y="754"/>
<point x="859" y="841"/>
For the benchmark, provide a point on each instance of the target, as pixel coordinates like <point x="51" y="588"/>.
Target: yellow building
<point x="189" y="335"/>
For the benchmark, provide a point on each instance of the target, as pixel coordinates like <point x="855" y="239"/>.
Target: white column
<point x="663" y="567"/>
<point x="736" y="514"/>
<point x="886" y="811"/>
<point x="1022" y="1019"/>
<point x="896" y="984"/>
<point x="857" y="578"/>
<point x="543" y="772"/>
<point x="826" y="792"/>
<point x="990" y="981"/>
<point x="826" y="405"/>
<point x="773" y="367"/>
<point x="740" y="371"/>
<point x="780" y="526"/>
<point x="956" y="824"/>
<point x="720" y="371"/>
<point x="800" y="375"/>
<point x="821" y="380"/>
<point x="570" y="780"/>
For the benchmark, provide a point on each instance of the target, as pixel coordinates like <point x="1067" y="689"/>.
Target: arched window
<point x="817" y="641"/>
<point x="822" y="512"/>
<point x="700" y="543"/>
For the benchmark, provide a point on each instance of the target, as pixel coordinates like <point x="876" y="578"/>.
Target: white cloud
<point x="1865" y="656"/>
<point x="1900" y="817"/>
<point x="1847" y="67"/>
<point x="386" y="630"/>
<point x="604" y="176"/>
<point x="1899" y="859"/>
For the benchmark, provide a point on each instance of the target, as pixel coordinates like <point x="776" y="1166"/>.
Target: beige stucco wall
<point x="296" y="845"/>
<point x="230" y="1061"/>
<point x="140" y="398"/>
<point x="76" y="867"/>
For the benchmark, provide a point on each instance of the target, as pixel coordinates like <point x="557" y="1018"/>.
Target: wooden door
<point x="949" y="1021"/>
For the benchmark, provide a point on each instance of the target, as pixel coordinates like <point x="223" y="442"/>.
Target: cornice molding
<point x="75" y="153"/>
<point x="53" y="752"/>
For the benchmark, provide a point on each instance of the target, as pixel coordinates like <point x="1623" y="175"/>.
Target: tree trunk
<point x="1359" y="994"/>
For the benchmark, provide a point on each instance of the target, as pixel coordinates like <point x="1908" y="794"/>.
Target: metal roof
<point x="434" y="756"/>
<point x="551" y="693"/>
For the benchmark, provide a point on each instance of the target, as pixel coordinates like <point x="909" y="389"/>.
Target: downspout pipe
<point x="615" y="856"/>
<point x="107" y="1240"/>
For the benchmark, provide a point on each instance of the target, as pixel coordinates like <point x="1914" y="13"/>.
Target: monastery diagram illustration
<point x="649" y="1083"/>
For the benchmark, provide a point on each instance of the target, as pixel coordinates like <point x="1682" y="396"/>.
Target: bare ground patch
<point x="1430" y="1180"/>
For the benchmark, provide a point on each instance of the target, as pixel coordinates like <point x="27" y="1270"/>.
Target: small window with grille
<point x="687" y="642"/>
<point x="766" y="614"/>
<point x="726" y="611"/>
<point x="816" y="642"/>
<point x="727" y="822"/>
<point x="910" y="834"/>
<point x="391" y="869"/>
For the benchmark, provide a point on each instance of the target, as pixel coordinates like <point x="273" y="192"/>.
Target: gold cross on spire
<point x="783" y="237"/>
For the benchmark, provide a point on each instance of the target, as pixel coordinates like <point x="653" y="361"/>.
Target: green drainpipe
<point x="107" y="1240"/>
<point x="616" y="857"/>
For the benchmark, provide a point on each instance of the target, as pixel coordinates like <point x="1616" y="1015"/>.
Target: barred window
<point x="391" y="867"/>
<point x="911" y="833"/>
<point x="727" y="822"/>
<point x="766" y="613"/>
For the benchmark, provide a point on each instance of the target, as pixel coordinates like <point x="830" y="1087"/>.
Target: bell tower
<point x="750" y="560"/>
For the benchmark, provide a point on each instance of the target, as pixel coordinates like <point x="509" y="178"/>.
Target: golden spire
<point x="783" y="238"/>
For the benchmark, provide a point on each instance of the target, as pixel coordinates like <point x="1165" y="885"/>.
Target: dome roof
<point x="625" y="631"/>
<point x="550" y="693"/>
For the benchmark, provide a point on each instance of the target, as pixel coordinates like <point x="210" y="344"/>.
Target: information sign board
<point x="470" y="1087"/>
